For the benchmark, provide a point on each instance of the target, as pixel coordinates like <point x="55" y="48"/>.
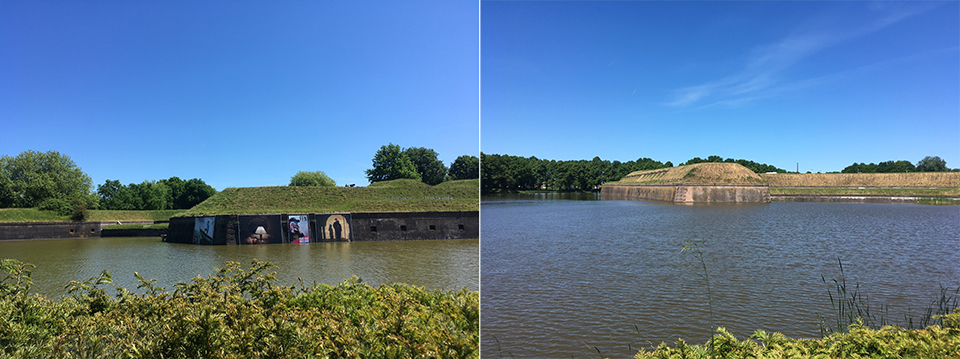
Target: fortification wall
<point x="633" y="192"/>
<point x="722" y="194"/>
<point x="324" y="227"/>
<point x="50" y="230"/>
<point x="686" y="193"/>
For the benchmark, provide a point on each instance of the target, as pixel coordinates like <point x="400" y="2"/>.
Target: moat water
<point x="573" y="276"/>
<point x="438" y="264"/>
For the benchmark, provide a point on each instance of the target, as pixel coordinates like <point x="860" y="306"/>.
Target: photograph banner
<point x="203" y="230"/>
<point x="298" y="228"/>
<point x="334" y="227"/>
<point x="259" y="229"/>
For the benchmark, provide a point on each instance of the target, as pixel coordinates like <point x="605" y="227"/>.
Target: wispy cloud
<point x="763" y="76"/>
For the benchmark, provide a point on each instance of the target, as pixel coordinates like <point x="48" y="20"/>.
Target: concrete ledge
<point x="50" y="230"/>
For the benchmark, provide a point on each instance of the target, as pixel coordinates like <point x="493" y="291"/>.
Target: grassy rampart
<point x="701" y="173"/>
<point x="35" y="215"/>
<point x="388" y="196"/>
<point x="914" y="179"/>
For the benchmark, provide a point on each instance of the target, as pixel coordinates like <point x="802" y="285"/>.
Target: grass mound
<point x="700" y="173"/>
<point x="387" y="196"/>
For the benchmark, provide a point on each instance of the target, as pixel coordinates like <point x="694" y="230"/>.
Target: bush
<point x="59" y="205"/>
<point x="236" y="313"/>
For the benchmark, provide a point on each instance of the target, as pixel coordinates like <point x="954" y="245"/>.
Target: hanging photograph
<point x="203" y="230"/>
<point x="298" y="228"/>
<point x="334" y="227"/>
<point x="259" y="229"/>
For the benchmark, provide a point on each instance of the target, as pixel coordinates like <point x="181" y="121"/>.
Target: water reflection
<point x="561" y="277"/>
<point x="439" y="264"/>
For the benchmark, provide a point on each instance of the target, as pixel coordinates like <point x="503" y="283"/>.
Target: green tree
<point x="317" y="178"/>
<point x="194" y="192"/>
<point x="111" y="194"/>
<point x="390" y="163"/>
<point x="32" y="177"/>
<point x="432" y="170"/>
<point x="932" y="164"/>
<point x="464" y="167"/>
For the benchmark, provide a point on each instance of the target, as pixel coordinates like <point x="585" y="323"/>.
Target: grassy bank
<point x="35" y="215"/>
<point x="138" y="226"/>
<point x="235" y="313"/>
<point x="835" y="191"/>
<point x="915" y="179"/>
<point x="388" y="196"/>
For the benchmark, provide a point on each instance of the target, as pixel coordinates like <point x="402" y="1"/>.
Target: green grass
<point x="35" y="215"/>
<point x="388" y="196"/>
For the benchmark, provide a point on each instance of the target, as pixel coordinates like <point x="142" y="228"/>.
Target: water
<point x="568" y="276"/>
<point x="439" y="264"/>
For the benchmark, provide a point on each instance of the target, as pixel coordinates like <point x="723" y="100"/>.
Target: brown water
<point x="569" y="275"/>
<point x="440" y="264"/>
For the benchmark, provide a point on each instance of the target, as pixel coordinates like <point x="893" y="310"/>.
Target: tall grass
<point x="700" y="173"/>
<point x="913" y="179"/>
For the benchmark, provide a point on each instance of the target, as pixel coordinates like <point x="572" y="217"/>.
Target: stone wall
<point x="388" y="226"/>
<point x="50" y="230"/>
<point x="687" y="193"/>
<point x="664" y="193"/>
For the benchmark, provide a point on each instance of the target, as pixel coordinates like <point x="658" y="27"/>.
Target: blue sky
<point x="820" y="83"/>
<point x="237" y="93"/>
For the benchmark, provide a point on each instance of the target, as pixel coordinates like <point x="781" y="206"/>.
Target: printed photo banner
<point x="203" y="230"/>
<point x="334" y="227"/>
<point x="258" y="229"/>
<point x="298" y="228"/>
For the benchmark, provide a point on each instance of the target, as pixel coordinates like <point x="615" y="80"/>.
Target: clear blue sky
<point x="820" y="83"/>
<point x="237" y="93"/>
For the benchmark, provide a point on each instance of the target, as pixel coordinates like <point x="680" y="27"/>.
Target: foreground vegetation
<point x="235" y="313"/>
<point x="404" y="195"/>
<point x="857" y="342"/>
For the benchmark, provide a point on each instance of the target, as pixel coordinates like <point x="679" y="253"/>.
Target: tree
<point x="32" y="177"/>
<point x="464" y="167"/>
<point x="931" y="164"/>
<point x="317" y="178"/>
<point x="432" y="170"/>
<point x="194" y="192"/>
<point x="390" y="163"/>
<point x="111" y="194"/>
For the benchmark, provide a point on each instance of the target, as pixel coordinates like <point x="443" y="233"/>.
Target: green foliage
<point x="317" y="178"/>
<point x="932" y="164"/>
<point x="171" y="193"/>
<point x="857" y="341"/>
<point x="390" y="163"/>
<point x="32" y="177"/>
<point x="431" y="170"/>
<point x="236" y="313"/>
<point x="464" y="167"/>
<point x="504" y="173"/>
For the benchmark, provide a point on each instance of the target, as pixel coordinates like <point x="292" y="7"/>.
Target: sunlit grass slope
<point x="388" y="196"/>
<point x="700" y="173"/>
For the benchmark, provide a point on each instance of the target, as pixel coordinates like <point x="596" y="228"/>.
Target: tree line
<point x="52" y="181"/>
<point x="392" y="162"/>
<point x="508" y="173"/>
<point x="927" y="164"/>
<point x="171" y="193"/>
